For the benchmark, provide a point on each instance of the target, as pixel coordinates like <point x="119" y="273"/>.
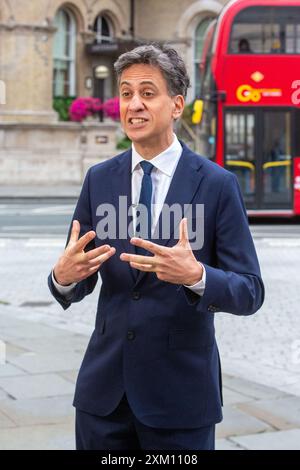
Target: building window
<point x="64" y="52"/>
<point x="103" y="29"/>
<point x="266" y="30"/>
<point x="198" y="49"/>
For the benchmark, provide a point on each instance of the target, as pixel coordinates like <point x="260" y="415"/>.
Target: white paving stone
<point x="47" y="437"/>
<point x="231" y="397"/>
<point x="63" y="343"/>
<point x="237" y="422"/>
<point x="226" y="444"/>
<point x="29" y="330"/>
<point x="26" y="412"/>
<point x="36" y="386"/>
<point x="280" y="413"/>
<point x="36" y="363"/>
<point x="5" y="421"/>
<point x="281" y="440"/>
<point x="7" y="370"/>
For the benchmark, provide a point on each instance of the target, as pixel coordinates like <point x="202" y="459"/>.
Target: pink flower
<point x="83" y="107"/>
<point x="87" y="106"/>
<point x="111" y="108"/>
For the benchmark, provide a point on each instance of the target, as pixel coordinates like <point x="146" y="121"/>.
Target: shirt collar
<point x="165" y="161"/>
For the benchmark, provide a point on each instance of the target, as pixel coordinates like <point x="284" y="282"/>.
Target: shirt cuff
<point x="63" y="290"/>
<point x="199" y="287"/>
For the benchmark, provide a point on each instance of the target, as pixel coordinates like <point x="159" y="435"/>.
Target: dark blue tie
<point x="145" y="199"/>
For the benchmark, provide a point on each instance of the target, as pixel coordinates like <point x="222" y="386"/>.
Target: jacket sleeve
<point x="234" y="283"/>
<point x="82" y="213"/>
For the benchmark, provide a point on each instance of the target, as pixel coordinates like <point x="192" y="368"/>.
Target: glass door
<point x="240" y="158"/>
<point x="258" y="149"/>
<point x="276" y="165"/>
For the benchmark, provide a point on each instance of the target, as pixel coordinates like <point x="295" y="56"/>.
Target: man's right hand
<point x="75" y="264"/>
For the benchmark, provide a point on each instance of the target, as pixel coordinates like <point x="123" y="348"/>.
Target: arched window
<point x="103" y="29"/>
<point x="198" y="49"/>
<point x="64" y="53"/>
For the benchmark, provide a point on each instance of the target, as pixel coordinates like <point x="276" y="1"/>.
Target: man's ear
<point x="178" y="106"/>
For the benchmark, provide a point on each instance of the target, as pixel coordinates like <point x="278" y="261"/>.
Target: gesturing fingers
<point x="74" y="232"/>
<point x="138" y="259"/>
<point x="87" y="267"/>
<point x="183" y="232"/>
<point x="83" y="241"/>
<point x="100" y="259"/>
<point x="90" y="255"/>
<point x="143" y="267"/>
<point x="150" y="246"/>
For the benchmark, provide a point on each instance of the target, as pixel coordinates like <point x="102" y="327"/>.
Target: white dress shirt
<point x="164" y="168"/>
<point x="165" y="165"/>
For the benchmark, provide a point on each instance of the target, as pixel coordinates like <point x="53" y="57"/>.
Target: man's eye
<point x="125" y="94"/>
<point x="148" y="93"/>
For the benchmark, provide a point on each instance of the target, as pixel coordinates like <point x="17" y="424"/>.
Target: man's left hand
<point x="176" y="265"/>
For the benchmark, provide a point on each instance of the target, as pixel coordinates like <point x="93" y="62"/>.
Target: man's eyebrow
<point x="144" y="82"/>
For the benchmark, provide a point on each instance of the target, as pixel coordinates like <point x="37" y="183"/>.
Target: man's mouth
<point x="137" y="120"/>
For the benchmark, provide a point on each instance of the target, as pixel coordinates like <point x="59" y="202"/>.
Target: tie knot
<point x="147" y="167"/>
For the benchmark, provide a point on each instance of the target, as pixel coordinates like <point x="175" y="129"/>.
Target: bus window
<point x="199" y="48"/>
<point x="293" y="38"/>
<point x="244" y="46"/>
<point x="266" y="30"/>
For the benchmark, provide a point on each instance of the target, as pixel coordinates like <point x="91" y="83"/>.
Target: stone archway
<point x="112" y="11"/>
<point x="77" y="7"/>
<point x="196" y="11"/>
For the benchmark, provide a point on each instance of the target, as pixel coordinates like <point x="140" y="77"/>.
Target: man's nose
<point x="136" y="103"/>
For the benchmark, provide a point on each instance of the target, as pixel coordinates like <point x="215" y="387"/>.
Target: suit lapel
<point x="121" y="197"/>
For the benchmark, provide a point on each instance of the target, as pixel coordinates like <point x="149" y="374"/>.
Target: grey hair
<point x="165" y="58"/>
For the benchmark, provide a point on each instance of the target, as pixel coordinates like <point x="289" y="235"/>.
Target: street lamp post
<point x="101" y="73"/>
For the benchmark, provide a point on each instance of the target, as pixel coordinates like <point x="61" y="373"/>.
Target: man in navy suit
<point x="151" y="375"/>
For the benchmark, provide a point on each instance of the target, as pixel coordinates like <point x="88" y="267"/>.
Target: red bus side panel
<point x="297" y="185"/>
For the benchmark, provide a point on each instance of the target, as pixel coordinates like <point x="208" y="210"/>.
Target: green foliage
<point x="61" y="105"/>
<point x="124" y="143"/>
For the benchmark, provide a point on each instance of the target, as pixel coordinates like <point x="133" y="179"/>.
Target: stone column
<point x="26" y="69"/>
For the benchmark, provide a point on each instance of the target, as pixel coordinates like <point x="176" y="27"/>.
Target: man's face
<point x="147" y="110"/>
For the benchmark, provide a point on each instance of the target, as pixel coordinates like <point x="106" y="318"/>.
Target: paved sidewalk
<point x="37" y="385"/>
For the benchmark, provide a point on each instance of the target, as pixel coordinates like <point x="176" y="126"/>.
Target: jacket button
<point x="212" y="308"/>
<point x="136" y="295"/>
<point x="130" y="335"/>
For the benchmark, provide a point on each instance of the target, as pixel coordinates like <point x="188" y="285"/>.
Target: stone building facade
<point x="54" y="48"/>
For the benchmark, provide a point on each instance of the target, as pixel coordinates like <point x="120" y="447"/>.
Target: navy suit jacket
<point x="152" y="339"/>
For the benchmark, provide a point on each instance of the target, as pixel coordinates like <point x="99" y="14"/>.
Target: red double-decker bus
<point x="251" y="101"/>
